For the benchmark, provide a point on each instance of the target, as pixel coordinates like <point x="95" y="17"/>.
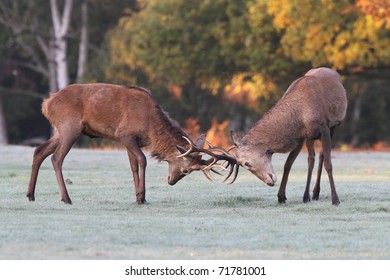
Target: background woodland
<point x="214" y="65"/>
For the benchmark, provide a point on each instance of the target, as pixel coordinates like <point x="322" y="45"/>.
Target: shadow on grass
<point x="238" y="201"/>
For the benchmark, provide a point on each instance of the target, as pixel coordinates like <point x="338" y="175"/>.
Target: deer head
<point x="255" y="159"/>
<point x="180" y="166"/>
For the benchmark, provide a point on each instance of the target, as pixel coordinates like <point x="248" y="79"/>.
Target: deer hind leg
<point x="67" y="138"/>
<point x="137" y="159"/>
<point x="317" y="188"/>
<point x="287" y="167"/>
<point x="310" y="164"/>
<point x="40" y="154"/>
<point x="326" y="139"/>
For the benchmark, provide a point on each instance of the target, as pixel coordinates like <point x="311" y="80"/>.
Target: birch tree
<point x="52" y="38"/>
<point x="61" y="24"/>
<point x="44" y="43"/>
<point x="83" y="46"/>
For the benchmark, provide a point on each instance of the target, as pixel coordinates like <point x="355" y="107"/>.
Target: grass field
<point x="195" y="219"/>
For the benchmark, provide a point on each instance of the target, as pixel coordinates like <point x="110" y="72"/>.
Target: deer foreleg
<point x="310" y="165"/>
<point x="287" y="167"/>
<point x="326" y="149"/>
<point x="137" y="159"/>
<point x="40" y="154"/>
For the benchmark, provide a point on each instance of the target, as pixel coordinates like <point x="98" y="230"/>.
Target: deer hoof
<point x="306" y="199"/>
<point x="316" y="193"/>
<point x="67" y="201"/>
<point x="335" y="202"/>
<point x="140" y="202"/>
<point x="282" y="199"/>
<point x="31" y="197"/>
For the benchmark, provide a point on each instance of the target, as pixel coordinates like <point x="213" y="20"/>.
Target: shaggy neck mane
<point x="165" y="136"/>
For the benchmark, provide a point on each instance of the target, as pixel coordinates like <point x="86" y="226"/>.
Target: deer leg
<point x="132" y="146"/>
<point x="64" y="146"/>
<point x="316" y="189"/>
<point x="287" y="167"/>
<point x="310" y="164"/>
<point x="326" y="149"/>
<point x="40" y="154"/>
<point x="134" y="169"/>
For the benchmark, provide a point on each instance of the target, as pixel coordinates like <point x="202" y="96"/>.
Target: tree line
<point x="213" y="65"/>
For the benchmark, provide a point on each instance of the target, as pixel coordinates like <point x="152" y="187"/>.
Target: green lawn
<point x="195" y="219"/>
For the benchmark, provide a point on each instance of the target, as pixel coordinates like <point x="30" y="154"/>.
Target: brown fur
<point x="309" y="110"/>
<point x="129" y="115"/>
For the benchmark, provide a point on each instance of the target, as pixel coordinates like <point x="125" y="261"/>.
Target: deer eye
<point x="247" y="164"/>
<point x="185" y="171"/>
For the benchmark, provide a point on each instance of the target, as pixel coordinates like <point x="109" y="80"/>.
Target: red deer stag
<point x="129" y="115"/>
<point x="310" y="109"/>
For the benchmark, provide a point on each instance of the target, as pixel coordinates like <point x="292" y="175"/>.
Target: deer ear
<point x="236" y="137"/>
<point x="201" y="140"/>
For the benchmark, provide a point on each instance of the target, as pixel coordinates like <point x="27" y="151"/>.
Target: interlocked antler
<point x="217" y="155"/>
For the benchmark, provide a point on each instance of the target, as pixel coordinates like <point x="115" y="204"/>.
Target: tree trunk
<point x="358" y="91"/>
<point x="3" y="128"/>
<point x="83" y="47"/>
<point x="61" y="27"/>
<point x="53" y="85"/>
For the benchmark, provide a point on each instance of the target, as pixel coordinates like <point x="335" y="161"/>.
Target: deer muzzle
<point x="270" y="179"/>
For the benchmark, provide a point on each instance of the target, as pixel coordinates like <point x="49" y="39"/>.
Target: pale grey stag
<point x="312" y="107"/>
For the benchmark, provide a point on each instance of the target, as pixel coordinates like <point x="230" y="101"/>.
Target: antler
<point x="217" y="155"/>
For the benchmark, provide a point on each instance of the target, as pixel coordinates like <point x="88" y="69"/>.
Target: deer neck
<point x="165" y="137"/>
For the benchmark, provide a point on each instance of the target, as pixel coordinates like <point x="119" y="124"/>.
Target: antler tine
<point x="232" y="169"/>
<point x="206" y="171"/>
<point x="231" y="148"/>
<point x="226" y="156"/>
<point x="190" y="150"/>
<point x="208" y="176"/>
<point x="211" y="166"/>
<point x="221" y="155"/>
<point x="216" y="172"/>
<point x="209" y="144"/>
<point x="235" y="174"/>
<point x="214" y="164"/>
<point x="230" y="174"/>
<point x="223" y="151"/>
<point x="194" y="149"/>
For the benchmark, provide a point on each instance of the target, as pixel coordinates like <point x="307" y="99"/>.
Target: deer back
<point x="104" y="110"/>
<point x="316" y="100"/>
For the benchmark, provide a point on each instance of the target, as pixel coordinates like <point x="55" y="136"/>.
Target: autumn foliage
<point x="211" y="63"/>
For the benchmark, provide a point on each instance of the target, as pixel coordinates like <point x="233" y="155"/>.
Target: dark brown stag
<point x="310" y="109"/>
<point x="129" y="115"/>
